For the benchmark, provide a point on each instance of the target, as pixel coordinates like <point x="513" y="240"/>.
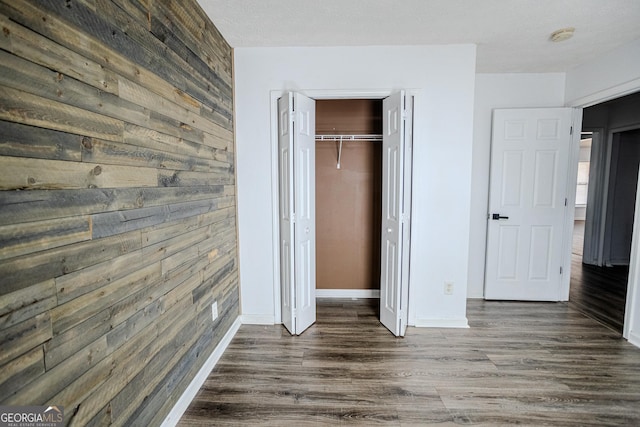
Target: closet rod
<point x="343" y="138"/>
<point x="372" y="137"/>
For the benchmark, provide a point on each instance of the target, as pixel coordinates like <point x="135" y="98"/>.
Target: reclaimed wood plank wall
<point x="117" y="204"/>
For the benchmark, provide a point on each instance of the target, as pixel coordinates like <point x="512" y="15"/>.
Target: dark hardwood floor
<point x="518" y="363"/>
<point x="599" y="292"/>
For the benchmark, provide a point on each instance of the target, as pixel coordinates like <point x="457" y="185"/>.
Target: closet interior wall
<point x="348" y="199"/>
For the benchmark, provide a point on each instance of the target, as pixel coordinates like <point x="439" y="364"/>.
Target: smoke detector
<point x="562" y="34"/>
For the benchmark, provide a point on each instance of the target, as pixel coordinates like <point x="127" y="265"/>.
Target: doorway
<point x="348" y="197"/>
<point x="599" y="289"/>
<point x="296" y="200"/>
<point x="600" y="280"/>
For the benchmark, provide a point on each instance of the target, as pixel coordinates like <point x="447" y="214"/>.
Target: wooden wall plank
<point x="21" y="371"/>
<point x="25" y="141"/>
<point x="24" y="303"/>
<point x="171" y="230"/>
<point x="132" y="357"/>
<point x="75" y="311"/>
<point x="32" y="46"/>
<point x="136" y="311"/>
<point x="167" y="247"/>
<point x="110" y="223"/>
<point x="35" y="205"/>
<point x="156" y="370"/>
<point x="116" y="115"/>
<point x="22" y="107"/>
<point x="102" y="418"/>
<point x="128" y="106"/>
<point x="219" y="141"/>
<point x="64" y="345"/>
<point x="26" y="174"/>
<point x="191" y="27"/>
<point x="26" y="76"/>
<point x="138" y="94"/>
<point x="173" y="178"/>
<point x="56" y="29"/>
<point x="25" y="238"/>
<point x="107" y="152"/>
<point x="21" y="272"/>
<point x="135" y="9"/>
<point x="151" y="138"/>
<point x="220" y="93"/>
<point x="77" y="283"/>
<point x="24" y="336"/>
<point x="88" y="364"/>
<point x="154" y="410"/>
<point x="139" y="46"/>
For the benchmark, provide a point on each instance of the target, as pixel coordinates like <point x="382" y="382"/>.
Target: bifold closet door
<point x="296" y="176"/>
<point x="396" y="208"/>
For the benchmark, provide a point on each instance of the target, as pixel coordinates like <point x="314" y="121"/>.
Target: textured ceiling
<point x="511" y="35"/>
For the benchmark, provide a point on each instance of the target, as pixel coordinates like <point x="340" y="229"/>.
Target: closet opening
<point x="380" y="253"/>
<point x="348" y="198"/>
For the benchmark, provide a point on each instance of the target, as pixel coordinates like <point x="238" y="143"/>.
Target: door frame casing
<point x="275" y="196"/>
<point x="611" y="175"/>
<point x="595" y="195"/>
<point x="570" y="212"/>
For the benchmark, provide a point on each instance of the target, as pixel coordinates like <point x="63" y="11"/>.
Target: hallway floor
<point x="599" y="292"/>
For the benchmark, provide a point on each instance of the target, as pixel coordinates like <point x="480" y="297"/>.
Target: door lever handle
<point x="498" y="217"/>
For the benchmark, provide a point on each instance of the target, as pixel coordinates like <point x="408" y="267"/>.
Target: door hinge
<point x="565" y="201"/>
<point x="560" y="270"/>
<point x="571" y="131"/>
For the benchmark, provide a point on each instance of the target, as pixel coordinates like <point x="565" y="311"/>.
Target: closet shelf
<point x="342" y="138"/>
<point x="348" y="138"/>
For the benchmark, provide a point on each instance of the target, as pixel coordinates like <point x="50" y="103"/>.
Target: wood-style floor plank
<point x="519" y="363"/>
<point x="598" y="292"/>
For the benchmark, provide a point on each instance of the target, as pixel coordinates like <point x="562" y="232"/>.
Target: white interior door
<point x="286" y="209"/>
<point x="305" y="210"/>
<point x="527" y="203"/>
<point x="396" y="199"/>
<point x="296" y="148"/>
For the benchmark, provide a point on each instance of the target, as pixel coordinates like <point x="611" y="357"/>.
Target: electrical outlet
<point x="214" y="310"/>
<point x="448" y="288"/>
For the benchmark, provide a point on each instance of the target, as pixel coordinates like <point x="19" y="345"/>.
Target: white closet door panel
<point x="286" y="212"/>
<point x="396" y="189"/>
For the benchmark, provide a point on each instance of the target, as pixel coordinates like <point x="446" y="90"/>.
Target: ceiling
<point x="512" y="36"/>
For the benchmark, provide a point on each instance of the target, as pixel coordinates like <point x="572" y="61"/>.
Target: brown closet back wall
<point x="348" y="204"/>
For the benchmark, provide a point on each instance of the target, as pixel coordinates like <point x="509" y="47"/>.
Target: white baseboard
<point x="347" y="293"/>
<point x="634" y="339"/>
<point x="442" y="323"/>
<point x="257" y="319"/>
<point x="183" y="403"/>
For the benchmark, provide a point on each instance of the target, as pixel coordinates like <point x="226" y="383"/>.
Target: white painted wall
<point x="612" y="75"/>
<point x="498" y="91"/>
<point x="443" y="78"/>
